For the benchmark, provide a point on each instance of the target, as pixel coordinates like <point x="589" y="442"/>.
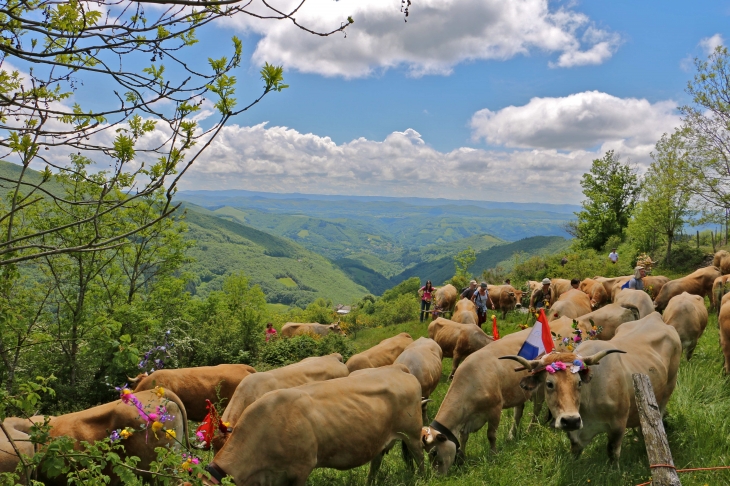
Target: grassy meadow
<point x="698" y="426"/>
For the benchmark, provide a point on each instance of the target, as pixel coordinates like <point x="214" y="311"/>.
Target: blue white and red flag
<point x="539" y="341"/>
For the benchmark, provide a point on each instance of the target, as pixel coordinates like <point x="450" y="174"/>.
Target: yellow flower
<point x="227" y="424"/>
<point x="156" y="426"/>
<point x="493" y="316"/>
<point x="126" y="391"/>
<point x="159" y="391"/>
<point x="170" y="434"/>
<point x="124" y="434"/>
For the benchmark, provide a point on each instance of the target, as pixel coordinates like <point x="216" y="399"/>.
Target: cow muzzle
<point x="569" y="423"/>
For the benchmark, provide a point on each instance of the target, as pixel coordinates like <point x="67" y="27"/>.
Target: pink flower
<point x="550" y="369"/>
<point x="559" y="366"/>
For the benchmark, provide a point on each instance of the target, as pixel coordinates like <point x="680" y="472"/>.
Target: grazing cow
<point x="595" y="291"/>
<point x="423" y="360"/>
<point x="719" y="289"/>
<point x="483" y="386"/>
<point x="559" y="286"/>
<point x="457" y="341"/>
<point x="636" y="298"/>
<point x="253" y="387"/>
<point x="194" y="385"/>
<point x="291" y="329"/>
<point x="9" y="460"/>
<point x="465" y="312"/>
<point x="444" y="299"/>
<point x="723" y="322"/>
<point x="698" y="282"/>
<point x="505" y="298"/>
<point x="572" y="303"/>
<point x="722" y="261"/>
<point x="382" y="354"/>
<point x="586" y="400"/>
<point x="688" y="315"/>
<point x="340" y="424"/>
<point x="98" y="423"/>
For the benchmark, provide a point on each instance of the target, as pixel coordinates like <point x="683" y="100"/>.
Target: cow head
<point x="335" y="327"/>
<point x="563" y="375"/>
<point x="441" y="451"/>
<point x="518" y="297"/>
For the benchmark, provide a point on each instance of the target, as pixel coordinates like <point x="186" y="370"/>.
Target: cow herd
<point x="280" y="425"/>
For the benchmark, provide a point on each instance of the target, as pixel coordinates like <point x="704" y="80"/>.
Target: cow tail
<point x="634" y="310"/>
<point x="170" y="395"/>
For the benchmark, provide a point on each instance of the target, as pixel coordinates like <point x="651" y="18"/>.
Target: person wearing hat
<point x="468" y="292"/>
<point x="637" y="282"/>
<point x="480" y="299"/>
<point x="544" y="296"/>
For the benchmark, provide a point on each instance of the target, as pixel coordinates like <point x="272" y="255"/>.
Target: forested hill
<point x="287" y="272"/>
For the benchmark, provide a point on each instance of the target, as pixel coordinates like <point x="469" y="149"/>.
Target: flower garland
<point x="575" y="367"/>
<point x="152" y="420"/>
<point x="571" y="343"/>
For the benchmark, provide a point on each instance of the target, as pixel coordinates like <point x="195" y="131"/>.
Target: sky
<point x="476" y="99"/>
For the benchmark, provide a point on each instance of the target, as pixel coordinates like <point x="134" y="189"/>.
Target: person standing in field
<point x="270" y="331"/>
<point x="426" y="293"/>
<point x="468" y="292"/>
<point x="480" y="299"/>
<point x="613" y="256"/>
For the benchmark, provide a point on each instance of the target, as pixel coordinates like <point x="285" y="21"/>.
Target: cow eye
<point x="549" y="385"/>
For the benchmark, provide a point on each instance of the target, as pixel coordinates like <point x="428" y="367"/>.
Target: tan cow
<point x="8" y="458"/>
<point x="595" y="291"/>
<point x="532" y="287"/>
<point x="636" y="298"/>
<point x="341" y="424"/>
<point x="605" y="401"/>
<point x="572" y="303"/>
<point x="423" y="360"/>
<point x="98" y="423"/>
<point x="723" y="322"/>
<point x="465" y="312"/>
<point x="698" y="282"/>
<point x="688" y="315"/>
<point x="608" y="318"/>
<point x="382" y="354"/>
<point x="457" y="341"/>
<point x="253" y="387"/>
<point x="719" y="289"/>
<point x="609" y="283"/>
<point x="483" y="386"/>
<point x="292" y="329"/>
<point x="652" y="285"/>
<point x="195" y="385"/>
<point x="559" y="286"/>
<point x="505" y="298"/>
<point x="722" y="261"/>
<point x="444" y="299"/>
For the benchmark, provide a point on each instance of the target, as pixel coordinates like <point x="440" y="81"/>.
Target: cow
<point x="483" y="386"/>
<point x="292" y="329"/>
<point x="253" y="387"/>
<point x="340" y="424"/>
<point x="719" y="289"/>
<point x="99" y="422"/>
<point x="723" y="322"/>
<point x="572" y="303"/>
<point x="444" y="299"/>
<point x="457" y="341"/>
<point x="194" y="385"/>
<point x="698" y="282"/>
<point x="585" y="400"/>
<point x="505" y="298"/>
<point x="9" y="459"/>
<point x="722" y="261"/>
<point x="423" y="360"/>
<point x="688" y="315"/>
<point x="595" y="291"/>
<point x="382" y="354"/>
<point x="558" y="286"/>
<point x="636" y="298"/>
<point x="652" y="285"/>
<point x="607" y="319"/>
<point x="465" y="312"/>
<point x="609" y="283"/>
<point x="532" y="287"/>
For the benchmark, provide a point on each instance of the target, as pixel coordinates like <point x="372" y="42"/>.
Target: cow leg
<point x="615" y="438"/>
<point x="514" y="431"/>
<point x="413" y="451"/>
<point x="493" y="424"/>
<point x="690" y="350"/>
<point x="377" y="460"/>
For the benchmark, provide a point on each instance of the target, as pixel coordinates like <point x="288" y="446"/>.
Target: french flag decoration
<point x="539" y="341"/>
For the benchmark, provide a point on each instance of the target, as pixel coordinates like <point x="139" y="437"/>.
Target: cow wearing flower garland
<point x="577" y="393"/>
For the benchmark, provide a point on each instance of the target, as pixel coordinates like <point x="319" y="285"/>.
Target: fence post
<point x="698" y="238"/>
<point x="657" y="445"/>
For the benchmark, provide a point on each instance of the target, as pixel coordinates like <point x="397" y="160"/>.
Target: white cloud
<point x="578" y="121"/>
<point x="709" y="44"/>
<point x="439" y="34"/>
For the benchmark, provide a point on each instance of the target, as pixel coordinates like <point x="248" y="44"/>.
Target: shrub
<point x="283" y="351"/>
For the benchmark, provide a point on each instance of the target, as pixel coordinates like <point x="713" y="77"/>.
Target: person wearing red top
<point x="426" y="295"/>
<point x="270" y="331"/>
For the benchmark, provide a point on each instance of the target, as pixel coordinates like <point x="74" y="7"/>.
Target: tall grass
<point x="698" y="427"/>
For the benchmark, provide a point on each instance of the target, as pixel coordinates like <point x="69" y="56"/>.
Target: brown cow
<point x="253" y="387"/>
<point x="292" y="329"/>
<point x="444" y="299"/>
<point x="572" y="303"/>
<point x="383" y="354"/>
<point x="608" y="318"/>
<point x="8" y="458"/>
<point x="457" y="341"/>
<point x="595" y="291"/>
<point x="465" y="312"/>
<point x="97" y="423"/>
<point x="195" y="385"/>
<point x="723" y="322"/>
<point x="559" y="286"/>
<point x="605" y="401"/>
<point x="652" y="285"/>
<point x="505" y="298"/>
<point x="688" y="315"/>
<point x="719" y="289"/>
<point x="532" y="287"/>
<point x="341" y="424"/>
<point x="698" y="282"/>
<point x="636" y="298"/>
<point x="722" y="261"/>
<point x="423" y="360"/>
<point x="483" y="386"/>
<point x="609" y="283"/>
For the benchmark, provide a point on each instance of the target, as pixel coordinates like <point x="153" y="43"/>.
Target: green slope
<point x="287" y="272"/>
<point x="12" y="171"/>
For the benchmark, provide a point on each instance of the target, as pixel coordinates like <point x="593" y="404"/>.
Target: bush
<point x="407" y="287"/>
<point x="283" y="351"/>
<point x="403" y="308"/>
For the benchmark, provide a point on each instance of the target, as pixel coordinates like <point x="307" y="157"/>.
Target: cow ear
<point x="585" y="375"/>
<point x="530" y="382"/>
<point x="440" y="437"/>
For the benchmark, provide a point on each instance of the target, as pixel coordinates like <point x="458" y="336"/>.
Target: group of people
<point x="477" y="294"/>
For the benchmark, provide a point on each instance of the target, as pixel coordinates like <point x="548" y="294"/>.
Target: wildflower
<point x="156" y="426"/>
<point x="170" y="434"/>
<point x="114" y="436"/>
<point x="227" y="424"/>
<point x="126" y="433"/>
<point x="159" y="391"/>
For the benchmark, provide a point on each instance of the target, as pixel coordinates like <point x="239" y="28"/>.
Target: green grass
<point x="698" y="427"/>
<point x="287" y="282"/>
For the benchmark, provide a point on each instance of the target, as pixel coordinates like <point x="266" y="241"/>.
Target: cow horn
<point x="529" y="365"/>
<point x="594" y="359"/>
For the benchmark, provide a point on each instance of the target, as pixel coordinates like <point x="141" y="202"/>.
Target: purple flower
<point x="115" y="436"/>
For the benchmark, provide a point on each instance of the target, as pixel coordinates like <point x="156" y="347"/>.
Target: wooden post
<point x="657" y="445"/>
<point x="698" y="238"/>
